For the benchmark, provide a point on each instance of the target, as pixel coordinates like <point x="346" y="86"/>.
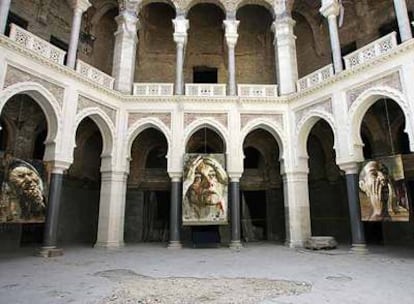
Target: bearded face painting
<point x="204" y="190"/>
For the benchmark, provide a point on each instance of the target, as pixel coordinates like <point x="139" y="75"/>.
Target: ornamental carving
<point x="85" y="103"/>
<point x="164" y="117"/>
<point x="246" y="118"/>
<point x="322" y="106"/>
<point x="393" y="80"/>
<point x="15" y="75"/>
<point x="190" y="117"/>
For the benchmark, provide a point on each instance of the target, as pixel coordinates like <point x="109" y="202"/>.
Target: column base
<point x="174" y="245"/>
<point x="109" y="245"/>
<point x="294" y="244"/>
<point x="235" y="245"/>
<point x="359" y="248"/>
<point x="49" y="252"/>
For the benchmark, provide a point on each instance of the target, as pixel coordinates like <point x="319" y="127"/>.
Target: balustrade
<point x="94" y="74"/>
<point x="257" y="90"/>
<point x="315" y="78"/>
<point x="153" y="89"/>
<point x="205" y="89"/>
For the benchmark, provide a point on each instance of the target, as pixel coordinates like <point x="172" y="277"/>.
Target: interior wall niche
<point x="79" y="211"/>
<point x="327" y="186"/>
<point x="261" y="200"/>
<point x="382" y="132"/>
<point x="148" y="194"/>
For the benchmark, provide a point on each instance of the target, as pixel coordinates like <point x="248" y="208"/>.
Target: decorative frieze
<point x="15" y="75"/>
<point x="392" y="80"/>
<point x="323" y="106"/>
<point x="164" y="117"/>
<point x="276" y="118"/>
<point x="84" y="103"/>
<point x="190" y="117"/>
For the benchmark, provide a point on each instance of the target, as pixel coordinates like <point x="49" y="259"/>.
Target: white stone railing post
<point x="79" y="7"/>
<point x="181" y="26"/>
<point x="4" y="13"/>
<point x="330" y="10"/>
<point x="285" y="50"/>
<point x="231" y="36"/>
<point x="404" y="25"/>
<point x="126" y="40"/>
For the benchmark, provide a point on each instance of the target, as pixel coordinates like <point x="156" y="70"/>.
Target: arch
<point x="192" y="3"/>
<point x="144" y="124"/>
<point x="49" y="105"/>
<point x="364" y="101"/>
<point x="208" y="123"/>
<point x="168" y="2"/>
<point x="261" y="123"/>
<point x="101" y="9"/>
<point x="266" y="4"/>
<point x="305" y="126"/>
<point x="104" y="124"/>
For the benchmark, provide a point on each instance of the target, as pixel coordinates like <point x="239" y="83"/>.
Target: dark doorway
<point x="253" y="215"/>
<point x="204" y="74"/>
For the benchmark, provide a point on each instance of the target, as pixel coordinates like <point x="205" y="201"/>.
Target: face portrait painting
<point x="205" y="191"/>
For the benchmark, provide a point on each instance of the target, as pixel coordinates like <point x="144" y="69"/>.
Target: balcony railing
<point x="370" y="51"/>
<point x="315" y="78"/>
<point x="94" y="74"/>
<point x="205" y="89"/>
<point x="153" y="89"/>
<point x="257" y="90"/>
<point x="36" y="44"/>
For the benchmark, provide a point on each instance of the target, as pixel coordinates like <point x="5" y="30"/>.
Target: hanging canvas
<point x="205" y="200"/>
<point x="22" y="193"/>
<point x="383" y="193"/>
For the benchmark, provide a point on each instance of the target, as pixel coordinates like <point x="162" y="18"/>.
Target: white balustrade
<point x="205" y="89"/>
<point x="370" y="51"/>
<point x="257" y="90"/>
<point x="94" y="74"/>
<point x="153" y="89"/>
<point x="36" y="44"/>
<point x="315" y="78"/>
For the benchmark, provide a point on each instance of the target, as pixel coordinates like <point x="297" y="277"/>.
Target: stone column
<point x="330" y="10"/>
<point x="357" y="227"/>
<point x="126" y="39"/>
<point x="404" y="24"/>
<point x="285" y="52"/>
<point x="112" y="209"/>
<point x="79" y="7"/>
<point x="297" y="212"/>
<point x="181" y="26"/>
<point x="231" y="36"/>
<point x="235" y="242"/>
<point x="49" y="246"/>
<point x="175" y="212"/>
<point x="4" y="13"/>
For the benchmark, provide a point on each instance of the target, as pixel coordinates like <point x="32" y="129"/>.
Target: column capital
<point x="231" y="35"/>
<point x="80" y="5"/>
<point x="349" y="167"/>
<point x="181" y="25"/>
<point x="129" y="5"/>
<point x="175" y="176"/>
<point x="283" y="28"/>
<point x="235" y="176"/>
<point x="330" y="8"/>
<point x="127" y="23"/>
<point x="59" y="166"/>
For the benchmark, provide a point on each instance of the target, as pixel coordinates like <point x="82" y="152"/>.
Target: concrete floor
<point x="384" y="275"/>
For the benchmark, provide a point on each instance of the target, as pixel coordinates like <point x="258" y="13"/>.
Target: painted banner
<point x="205" y="200"/>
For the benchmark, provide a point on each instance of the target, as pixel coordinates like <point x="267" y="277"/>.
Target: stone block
<point x="321" y="242"/>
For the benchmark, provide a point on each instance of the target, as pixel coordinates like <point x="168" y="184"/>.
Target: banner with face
<point x="204" y="190"/>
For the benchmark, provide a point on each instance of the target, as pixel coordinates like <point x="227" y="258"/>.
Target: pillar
<point x="126" y="39"/>
<point x="357" y="227"/>
<point x="330" y="10"/>
<point x="79" y="7"/>
<point x="175" y="212"/>
<point x="231" y="36"/>
<point x="4" y="13"/>
<point x="404" y="25"/>
<point x="297" y="212"/>
<point x="112" y="209"/>
<point x="285" y="52"/>
<point x="181" y="26"/>
<point x="49" y="246"/>
<point x="235" y="242"/>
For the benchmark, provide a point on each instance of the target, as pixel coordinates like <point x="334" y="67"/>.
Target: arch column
<point x="235" y="242"/>
<point x="4" y="13"/>
<point x="181" y="25"/>
<point x="285" y="53"/>
<point x="175" y="211"/>
<point x="231" y="25"/>
<point x="112" y="209"/>
<point x="126" y="40"/>
<point x="330" y="10"/>
<point x="403" y="20"/>
<point x="49" y="246"/>
<point x="79" y="7"/>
